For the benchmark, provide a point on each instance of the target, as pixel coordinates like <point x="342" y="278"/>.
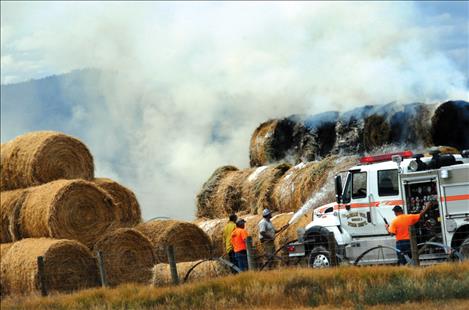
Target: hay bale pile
<point x="300" y="139"/>
<point x="189" y="241"/>
<point x="49" y="191"/>
<point x="190" y="271"/>
<point x="69" y="266"/>
<point x="128" y="256"/>
<point x="214" y="230"/>
<point x="40" y="157"/>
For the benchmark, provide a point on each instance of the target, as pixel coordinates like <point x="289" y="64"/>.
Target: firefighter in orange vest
<point x="238" y="240"/>
<point x="400" y="228"/>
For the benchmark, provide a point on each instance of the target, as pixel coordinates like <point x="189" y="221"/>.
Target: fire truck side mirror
<point x="338" y="188"/>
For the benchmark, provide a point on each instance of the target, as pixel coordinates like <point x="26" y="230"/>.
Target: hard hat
<point x="266" y="212"/>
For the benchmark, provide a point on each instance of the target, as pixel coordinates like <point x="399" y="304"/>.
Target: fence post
<point x="102" y="270"/>
<point x="250" y="254"/>
<point x="413" y="245"/>
<point x="172" y="264"/>
<point x="332" y="248"/>
<point x="41" y="275"/>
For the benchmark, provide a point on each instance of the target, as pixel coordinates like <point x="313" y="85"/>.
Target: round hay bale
<point x="65" y="209"/>
<point x="189" y="241"/>
<point x="276" y="140"/>
<point x="205" y="206"/>
<point x="10" y="207"/>
<point x="229" y="197"/>
<point x="376" y="132"/>
<point x="128" y="256"/>
<point x="69" y="266"/>
<point x="214" y="229"/>
<point x="40" y="157"/>
<point x="128" y="210"/>
<point x="450" y="124"/>
<point x="258" y="187"/>
<point x="190" y="271"/>
<point x="411" y="125"/>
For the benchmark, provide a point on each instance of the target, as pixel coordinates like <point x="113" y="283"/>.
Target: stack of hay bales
<point x="52" y="206"/>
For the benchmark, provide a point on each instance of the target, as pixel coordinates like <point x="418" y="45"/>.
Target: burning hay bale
<point x="214" y="230"/>
<point x="189" y="241"/>
<point x="69" y="266"/>
<point x="229" y="196"/>
<point x="258" y="187"/>
<point x="128" y="256"/>
<point x="322" y="130"/>
<point x="376" y="132"/>
<point x="128" y="210"/>
<point x="277" y="140"/>
<point x="205" y="203"/>
<point x="10" y="207"/>
<point x="411" y="125"/>
<point x="190" y="271"/>
<point x="450" y="124"/>
<point x="66" y="209"/>
<point x="40" y="157"/>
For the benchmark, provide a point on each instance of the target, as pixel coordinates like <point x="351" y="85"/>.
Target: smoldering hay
<point x="128" y="212"/>
<point x="305" y="138"/>
<point x="128" y="256"/>
<point x="188" y="240"/>
<point x="63" y="209"/>
<point x="69" y="266"/>
<point x="40" y="157"/>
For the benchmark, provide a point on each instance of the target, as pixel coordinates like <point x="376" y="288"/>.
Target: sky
<point x="188" y="82"/>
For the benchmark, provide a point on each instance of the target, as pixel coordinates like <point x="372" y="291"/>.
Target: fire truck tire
<point x="319" y="258"/>
<point x="464" y="249"/>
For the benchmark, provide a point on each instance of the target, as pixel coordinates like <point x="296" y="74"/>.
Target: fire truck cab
<point x="357" y="220"/>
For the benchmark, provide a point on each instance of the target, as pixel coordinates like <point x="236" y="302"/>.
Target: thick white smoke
<point x="187" y="83"/>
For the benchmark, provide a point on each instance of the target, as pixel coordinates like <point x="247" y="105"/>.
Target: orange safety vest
<point x="400" y="225"/>
<point x="238" y="239"/>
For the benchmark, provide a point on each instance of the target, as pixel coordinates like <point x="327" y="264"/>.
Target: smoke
<point x="186" y="84"/>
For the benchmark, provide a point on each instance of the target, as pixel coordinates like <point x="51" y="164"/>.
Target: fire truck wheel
<point x="464" y="249"/>
<point x="319" y="258"/>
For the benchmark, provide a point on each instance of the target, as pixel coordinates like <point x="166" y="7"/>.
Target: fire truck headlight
<point x="451" y="225"/>
<point x="413" y="166"/>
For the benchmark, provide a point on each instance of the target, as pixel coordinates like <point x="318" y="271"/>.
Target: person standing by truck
<point x="238" y="240"/>
<point x="229" y="227"/>
<point x="400" y="228"/>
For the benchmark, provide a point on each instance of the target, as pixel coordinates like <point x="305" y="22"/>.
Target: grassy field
<point x="439" y="287"/>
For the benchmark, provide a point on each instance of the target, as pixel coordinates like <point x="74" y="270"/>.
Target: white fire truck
<point x="356" y="221"/>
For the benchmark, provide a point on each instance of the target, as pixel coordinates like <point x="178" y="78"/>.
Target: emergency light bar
<point x="384" y="157"/>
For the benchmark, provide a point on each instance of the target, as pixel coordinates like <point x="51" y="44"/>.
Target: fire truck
<point x="356" y="222"/>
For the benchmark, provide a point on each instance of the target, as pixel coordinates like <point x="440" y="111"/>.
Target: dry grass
<point x="63" y="209"/>
<point x="40" y="157"/>
<point x="379" y="287"/>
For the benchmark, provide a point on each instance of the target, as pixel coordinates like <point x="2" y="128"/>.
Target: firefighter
<point x="229" y="227"/>
<point x="400" y="228"/>
<point x="238" y="240"/>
